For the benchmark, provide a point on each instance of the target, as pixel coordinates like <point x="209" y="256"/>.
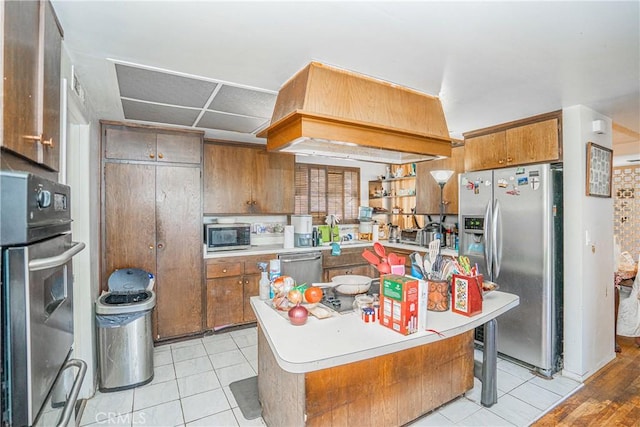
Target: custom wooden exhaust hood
<point x="327" y="111"/>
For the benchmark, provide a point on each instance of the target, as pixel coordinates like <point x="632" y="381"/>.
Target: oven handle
<point x="69" y="407"/>
<point x="55" y="261"/>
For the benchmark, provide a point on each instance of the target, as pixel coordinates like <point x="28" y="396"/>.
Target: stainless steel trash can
<point x="123" y="322"/>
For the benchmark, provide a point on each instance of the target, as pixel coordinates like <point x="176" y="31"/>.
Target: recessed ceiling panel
<point x="230" y="122"/>
<point x="158" y="113"/>
<point x="243" y="101"/>
<point x="155" y="86"/>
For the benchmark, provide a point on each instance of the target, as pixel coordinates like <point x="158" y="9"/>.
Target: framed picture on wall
<point x="599" y="170"/>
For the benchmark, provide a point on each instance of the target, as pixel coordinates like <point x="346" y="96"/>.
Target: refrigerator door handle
<point x="496" y="235"/>
<point x="488" y="244"/>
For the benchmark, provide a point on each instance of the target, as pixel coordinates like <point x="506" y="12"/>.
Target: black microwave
<point x="226" y="237"/>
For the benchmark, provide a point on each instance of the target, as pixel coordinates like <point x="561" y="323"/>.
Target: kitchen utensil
<point x="465" y="264"/>
<point x="380" y="251"/>
<point x="394" y="259"/>
<point x="434" y="249"/>
<point x="384" y="268"/>
<point x="351" y="284"/>
<point x="416" y="262"/>
<point x="371" y="257"/>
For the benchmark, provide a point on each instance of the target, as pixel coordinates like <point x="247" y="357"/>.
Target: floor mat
<point x="246" y="394"/>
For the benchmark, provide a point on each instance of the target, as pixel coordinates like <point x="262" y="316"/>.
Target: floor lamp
<point x="441" y="177"/>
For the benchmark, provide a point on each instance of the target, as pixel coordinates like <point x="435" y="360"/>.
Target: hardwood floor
<point x="610" y="397"/>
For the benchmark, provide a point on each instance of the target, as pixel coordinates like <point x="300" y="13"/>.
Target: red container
<point x="466" y="294"/>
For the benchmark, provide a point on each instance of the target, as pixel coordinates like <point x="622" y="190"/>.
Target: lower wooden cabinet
<point x="230" y="283"/>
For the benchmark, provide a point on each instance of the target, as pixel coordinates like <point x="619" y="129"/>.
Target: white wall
<point x="588" y="253"/>
<point x="82" y="175"/>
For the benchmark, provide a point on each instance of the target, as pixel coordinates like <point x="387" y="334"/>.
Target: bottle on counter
<point x="314" y="237"/>
<point x="265" y="286"/>
<point x="274" y="273"/>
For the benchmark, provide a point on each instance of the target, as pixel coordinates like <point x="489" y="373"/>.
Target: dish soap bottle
<point x="265" y="283"/>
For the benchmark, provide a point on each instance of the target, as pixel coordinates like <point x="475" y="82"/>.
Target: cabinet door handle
<point x="239" y="282"/>
<point x="509" y="160"/>
<point x="246" y="282"/>
<point x="253" y="202"/>
<point x="160" y="246"/>
<point x="151" y="155"/>
<point x="501" y="161"/>
<point x="150" y="247"/>
<point x="160" y="156"/>
<point x="224" y="270"/>
<point x="248" y="202"/>
<point x="47" y="142"/>
<point x="32" y="137"/>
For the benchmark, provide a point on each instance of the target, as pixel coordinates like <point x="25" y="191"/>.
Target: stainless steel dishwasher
<point x="305" y="267"/>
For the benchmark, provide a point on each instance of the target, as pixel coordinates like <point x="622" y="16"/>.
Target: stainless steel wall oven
<point x="37" y="300"/>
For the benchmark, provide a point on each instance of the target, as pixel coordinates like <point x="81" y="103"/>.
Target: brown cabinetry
<point x="230" y="284"/>
<point x="534" y="140"/>
<point x="31" y="81"/>
<point x="247" y="180"/>
<point x="152" y="220"/>
<point x="428" y="190"/>
<point x="122" y="142"/>
<point x="350" y="261"/>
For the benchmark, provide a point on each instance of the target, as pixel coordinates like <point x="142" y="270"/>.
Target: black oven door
<point x="38" y="323"/>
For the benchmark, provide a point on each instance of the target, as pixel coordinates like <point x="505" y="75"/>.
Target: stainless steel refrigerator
<point x="510" y="224"/>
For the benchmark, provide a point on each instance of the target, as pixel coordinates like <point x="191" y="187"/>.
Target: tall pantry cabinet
<point x="152" y="218"/>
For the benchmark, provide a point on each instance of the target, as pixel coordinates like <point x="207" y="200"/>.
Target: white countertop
<point x="321" y="344"/>
<point x="279" y="249"/>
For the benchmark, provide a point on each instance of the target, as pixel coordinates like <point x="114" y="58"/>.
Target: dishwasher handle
<point x="298" y="258"/>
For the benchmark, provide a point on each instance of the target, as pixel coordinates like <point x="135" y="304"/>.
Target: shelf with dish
<point x="392" y="197"/>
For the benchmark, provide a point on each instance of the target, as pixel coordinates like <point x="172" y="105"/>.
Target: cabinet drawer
<point x="350" y="256"/>
<point x="251" y="263"/>
<point x="224" y="269"/>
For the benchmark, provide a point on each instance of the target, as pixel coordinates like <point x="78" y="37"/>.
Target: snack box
<point x="402" y="303"/>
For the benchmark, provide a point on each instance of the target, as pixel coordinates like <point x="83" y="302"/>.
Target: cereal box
<point x="400" y="304"/>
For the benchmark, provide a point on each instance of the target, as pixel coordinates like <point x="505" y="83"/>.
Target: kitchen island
<point x="342" y="370"/>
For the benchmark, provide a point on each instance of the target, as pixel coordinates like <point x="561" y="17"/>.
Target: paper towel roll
<point x="288" y="236"/>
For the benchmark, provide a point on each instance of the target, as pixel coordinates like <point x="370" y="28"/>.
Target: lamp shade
<point x="441" y="176"/>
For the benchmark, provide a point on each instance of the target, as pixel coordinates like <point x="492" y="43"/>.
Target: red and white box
<point x="400" y="304"/>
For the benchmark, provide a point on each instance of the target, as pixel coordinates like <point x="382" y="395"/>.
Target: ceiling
<point x="217" y="66"/>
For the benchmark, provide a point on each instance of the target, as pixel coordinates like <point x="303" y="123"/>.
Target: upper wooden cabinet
<point x="428" y="190"/>
<point x="129" y="143"/>
<point x="534" y="140"/>
<point x="247" y="180"/>
<point x="31" y="82"/>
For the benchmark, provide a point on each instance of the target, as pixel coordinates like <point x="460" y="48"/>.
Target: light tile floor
<point x="191" y="388"/>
